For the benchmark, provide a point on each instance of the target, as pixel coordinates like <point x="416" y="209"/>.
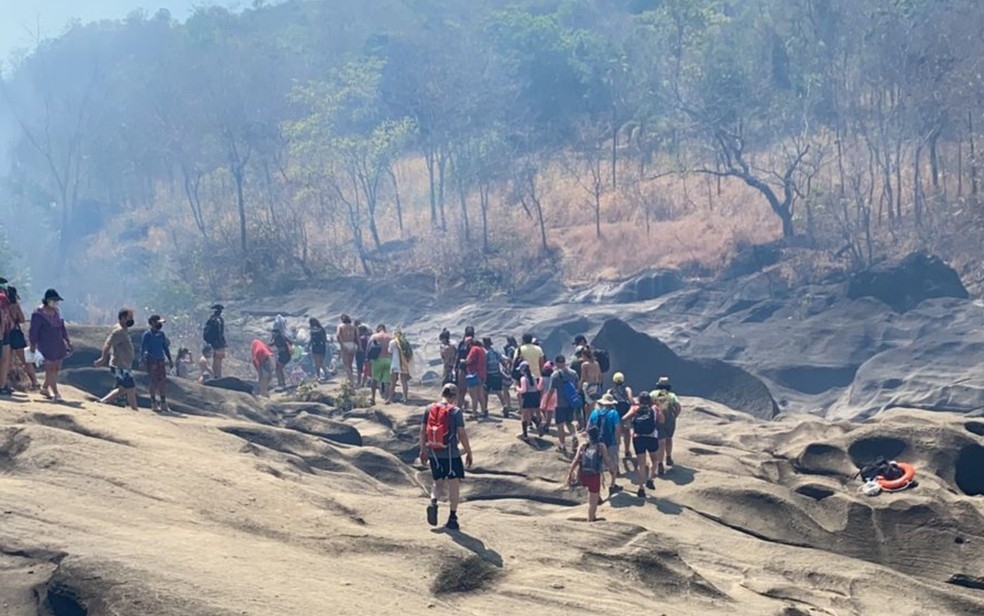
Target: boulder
<point x="903" y="285"/>
<point x="642" y="359"/>
<point x="328" y="429"/>
<point x="644" y="287"/>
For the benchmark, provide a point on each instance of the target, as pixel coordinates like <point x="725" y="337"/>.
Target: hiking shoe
<point x="432" y="514"/>
<point x="650" y="484"/>
<point x="615" y="489"/>
<point x="57" y="398"/>
<point x="669" y="461"/>
<point x="641" y="493"/>
<point x="452" y="524"/>
<point x="6" y="391"/>
<point x="660" y="470"/>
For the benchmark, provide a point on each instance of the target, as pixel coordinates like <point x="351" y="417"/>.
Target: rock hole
<point x="967" y="581"/>
<point x="975" y="427"/>
<point x="866" y="450"/>
<point x="64" y="601"/>
<point x="970" y="470"/>
<point x="815" y="492"/>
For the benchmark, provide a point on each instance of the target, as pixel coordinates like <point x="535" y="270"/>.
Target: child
<point x="182" y="367"/>
<point x="588" y="468"/>
<point x="205" y="365"/>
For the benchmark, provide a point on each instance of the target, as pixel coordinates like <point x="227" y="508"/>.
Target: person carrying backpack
<point x="606" y="418"/>
<point x="670" y="406"/>
<point x="214" y="336"/>
<point x="495" y="382"/>
<point x="569" y="402"/>
<point x="643" y="420"/>
<point x="441" y="433"/>
<point x="623" y="403"/>
<point x="588" y="467"/>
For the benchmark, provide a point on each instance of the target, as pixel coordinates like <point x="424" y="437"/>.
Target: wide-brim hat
<point x="608" y="400"/>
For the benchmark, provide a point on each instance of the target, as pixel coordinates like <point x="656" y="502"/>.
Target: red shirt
<point x="475" y="362"/>
<point x="261" y="353"/>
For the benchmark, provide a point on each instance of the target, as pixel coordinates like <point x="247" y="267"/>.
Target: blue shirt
<point x="609" y="434"/>
<point x="154" y="346"/>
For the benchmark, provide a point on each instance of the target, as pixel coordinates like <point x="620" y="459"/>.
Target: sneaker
<point x="6" y="391"/>
<point x="660" y="470"/>
<point x="615" y="489"/>
<point x="452" y="524"/>
<point x="432" y="514"/>
<point x="650" y="484"/>
<point x="669" y="461"/>
<point x="57" y="398"/>
<point x="641" y="493"/>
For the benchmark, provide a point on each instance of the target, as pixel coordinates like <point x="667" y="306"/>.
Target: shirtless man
<point x="381" y="362"/>
<point x="347" y="337"/>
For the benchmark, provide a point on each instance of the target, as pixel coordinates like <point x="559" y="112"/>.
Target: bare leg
<point x="437" y="492"/>
<point x="5" y="365"/>
<point x="394" y="377"/>
<point x="348" y="359"/>
<point x="51" y="376"/>
<point x="405" y="381"/>
<point x="454" y="490"/>
<point x="131" y="398"/>
<point x="28" y="367"/>
<point x="281" y="377"/>
<point x="593" y="498"/>
<point x="668" y="449"/>
<point x="111" y="396"/>
<point x="642" y="469"/>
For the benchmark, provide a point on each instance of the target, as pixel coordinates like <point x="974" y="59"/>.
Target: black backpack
<point x="880" y="468"/>
<point x="622" y="402"/>
<point x="212" y="332"/>
<point x="592" y="462"/>
<point x="515" y="373"/>
<point x="604" y="362"/>
<point x="644" y="422"/>
<point x="374" y="349"/>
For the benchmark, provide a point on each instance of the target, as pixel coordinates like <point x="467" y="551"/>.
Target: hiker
<point x="117" y="353"/>
<point x="214" y="336"/>
<point x="263" y="361"/>
<point x="575" y="365"/>
<point x="529" y="396"/>
<point x="18" y="342"/>
<point x="671" y="407"/>
<point x="448" y="354"/>
<point x="475" y="367"/>
<point x="588" y="467"/>
<point x="441" y="433"/>
<point x="623" y="402"/>
<point x="509" y="351"/>
<point x="361" y="363"/>
<point x="564" y="381"/>
<point x="319" y="348"/>
<point x="376" y="353"/>
<point x="401" y="354"/>
<point x="548" y="398"/>
<point x="182" y="363"/>
<point x="590" y="375"/>
<point x="6" y="326"/>
<point x="643" y="420"/>
<point x="205" y="373"/>
<point x="495" y="382"/>
<point x="347" y="336"/>
<point x="155" y="350"/>
<point x="606" y="418"/>
<point x="461" y="354"/>
<point x="283" y="346"/>
<point x="49" y="336"/>
<point x="531" y="354"/>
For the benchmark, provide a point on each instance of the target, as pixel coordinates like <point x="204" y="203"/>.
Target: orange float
<point x="889" y="485"/>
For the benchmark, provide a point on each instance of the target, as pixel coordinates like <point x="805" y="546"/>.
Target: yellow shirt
<point x="532" y="355"/>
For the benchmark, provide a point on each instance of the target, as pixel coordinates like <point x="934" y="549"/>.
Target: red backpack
<point x="439" y="425"/>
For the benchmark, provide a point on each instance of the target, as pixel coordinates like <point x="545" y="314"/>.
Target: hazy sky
<point x="19" y="18"/>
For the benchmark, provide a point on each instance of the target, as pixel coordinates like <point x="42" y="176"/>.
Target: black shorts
<point x="283" y="358"/>
<point x="667" y="429"/>
<point x="645" y="444"/>
<point x="124" y="378"/>
<point x="319" y="350"/>
<point x="531" y="400"/>
<point x="17" y="340"/>
<point x="493" y="383"/>
<point x="443" y="467"/>
<point x="564" y="416"/>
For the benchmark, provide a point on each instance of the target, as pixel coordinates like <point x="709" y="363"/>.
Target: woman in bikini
<point x="347" y="337"/>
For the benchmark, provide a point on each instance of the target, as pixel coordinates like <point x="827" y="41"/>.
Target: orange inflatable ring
<point x="903" y="481"/>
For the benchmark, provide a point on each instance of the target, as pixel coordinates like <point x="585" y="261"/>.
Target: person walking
<point x="644" y="422"/>
<point x="214" y="335"/>
<point x="609" y="423"/>
<point x="548" y="398"/>
<point x="529" y="396"/>
<point x="494" y="379"/>
<point x="347" y="337"/>
<point x="18" y="341"/>
<point x="155" y="353"/>
<point x="49" y="335"/>
<point x="6" y="353"/>
<point x="442" y="438"/>
<point x="284" y="347"/>
<point x="448" y="355"/>
<point x="670" y="407"/>
<point x="117" y="353"/>
<point x="476" y="373"/>
<point x="565" y="382"/>
<point x="588" y="468"/>
<point x="319" y="348"/>
<point x="623" y="403"/>
<point x="378" y="353"/>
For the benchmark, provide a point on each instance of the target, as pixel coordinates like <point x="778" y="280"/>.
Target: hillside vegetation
<point x="487" y="141"/>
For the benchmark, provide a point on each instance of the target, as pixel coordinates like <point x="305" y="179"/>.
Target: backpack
<point x="644" y="422"/>
<point x="516" y="374"/>
<point x="571" y="394"/>
<point x="462" y="350"/>
<point x="374" y="349"/>
<point x="880" y="468"/>
<point x="604" y="362"/>
<point x="405" y="347"/>
<point x="438" y="430"/>
<point x="622" y="403"/>
<point x="493" y="362"/>
<point x="212" y="331"/>
<point x="600" y="422"/>
<point x="592" y="462"/>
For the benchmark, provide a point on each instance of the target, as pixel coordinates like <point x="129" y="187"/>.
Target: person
<point x="564" y="382"/>
<point x="609" y="423"/>
<point x="509" y="351"/>
<point x="529" y="396"/>
<point x="49" y="335"/>
<point x="548" y="398"/>
<point x="401" y="354"/>
<point x="182" y="363"/>
<point x="643" y="420"/>
<point x="377" y="353"/>
<point x="319" y="348"/>
<point x="448" y="354"/>
<point x="6" y="352"/>
<point x="580" y="342"/>
<point x="284" y="347"/>
<point x="18" y="342"/>
<point x="347" y="337"/>
<point x="494" y="380"/>
<point x="262" y="356"/>
<point x="155" y="353"/>
<point x="214" y="335"/>
<point x="117" y="353"/>
<point x="590" y="375"/>
<point x="461" y="353"/>
<point x="588" y="467"/>
<point x="205" y="373"/>
<point x="441" y="432"/>
<point x="671" y="407"/>
<point x="623" y="402"/>
<point x="531" y="354"/>
<point x="475" y="368"/>
<point x="575" y="365"/>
